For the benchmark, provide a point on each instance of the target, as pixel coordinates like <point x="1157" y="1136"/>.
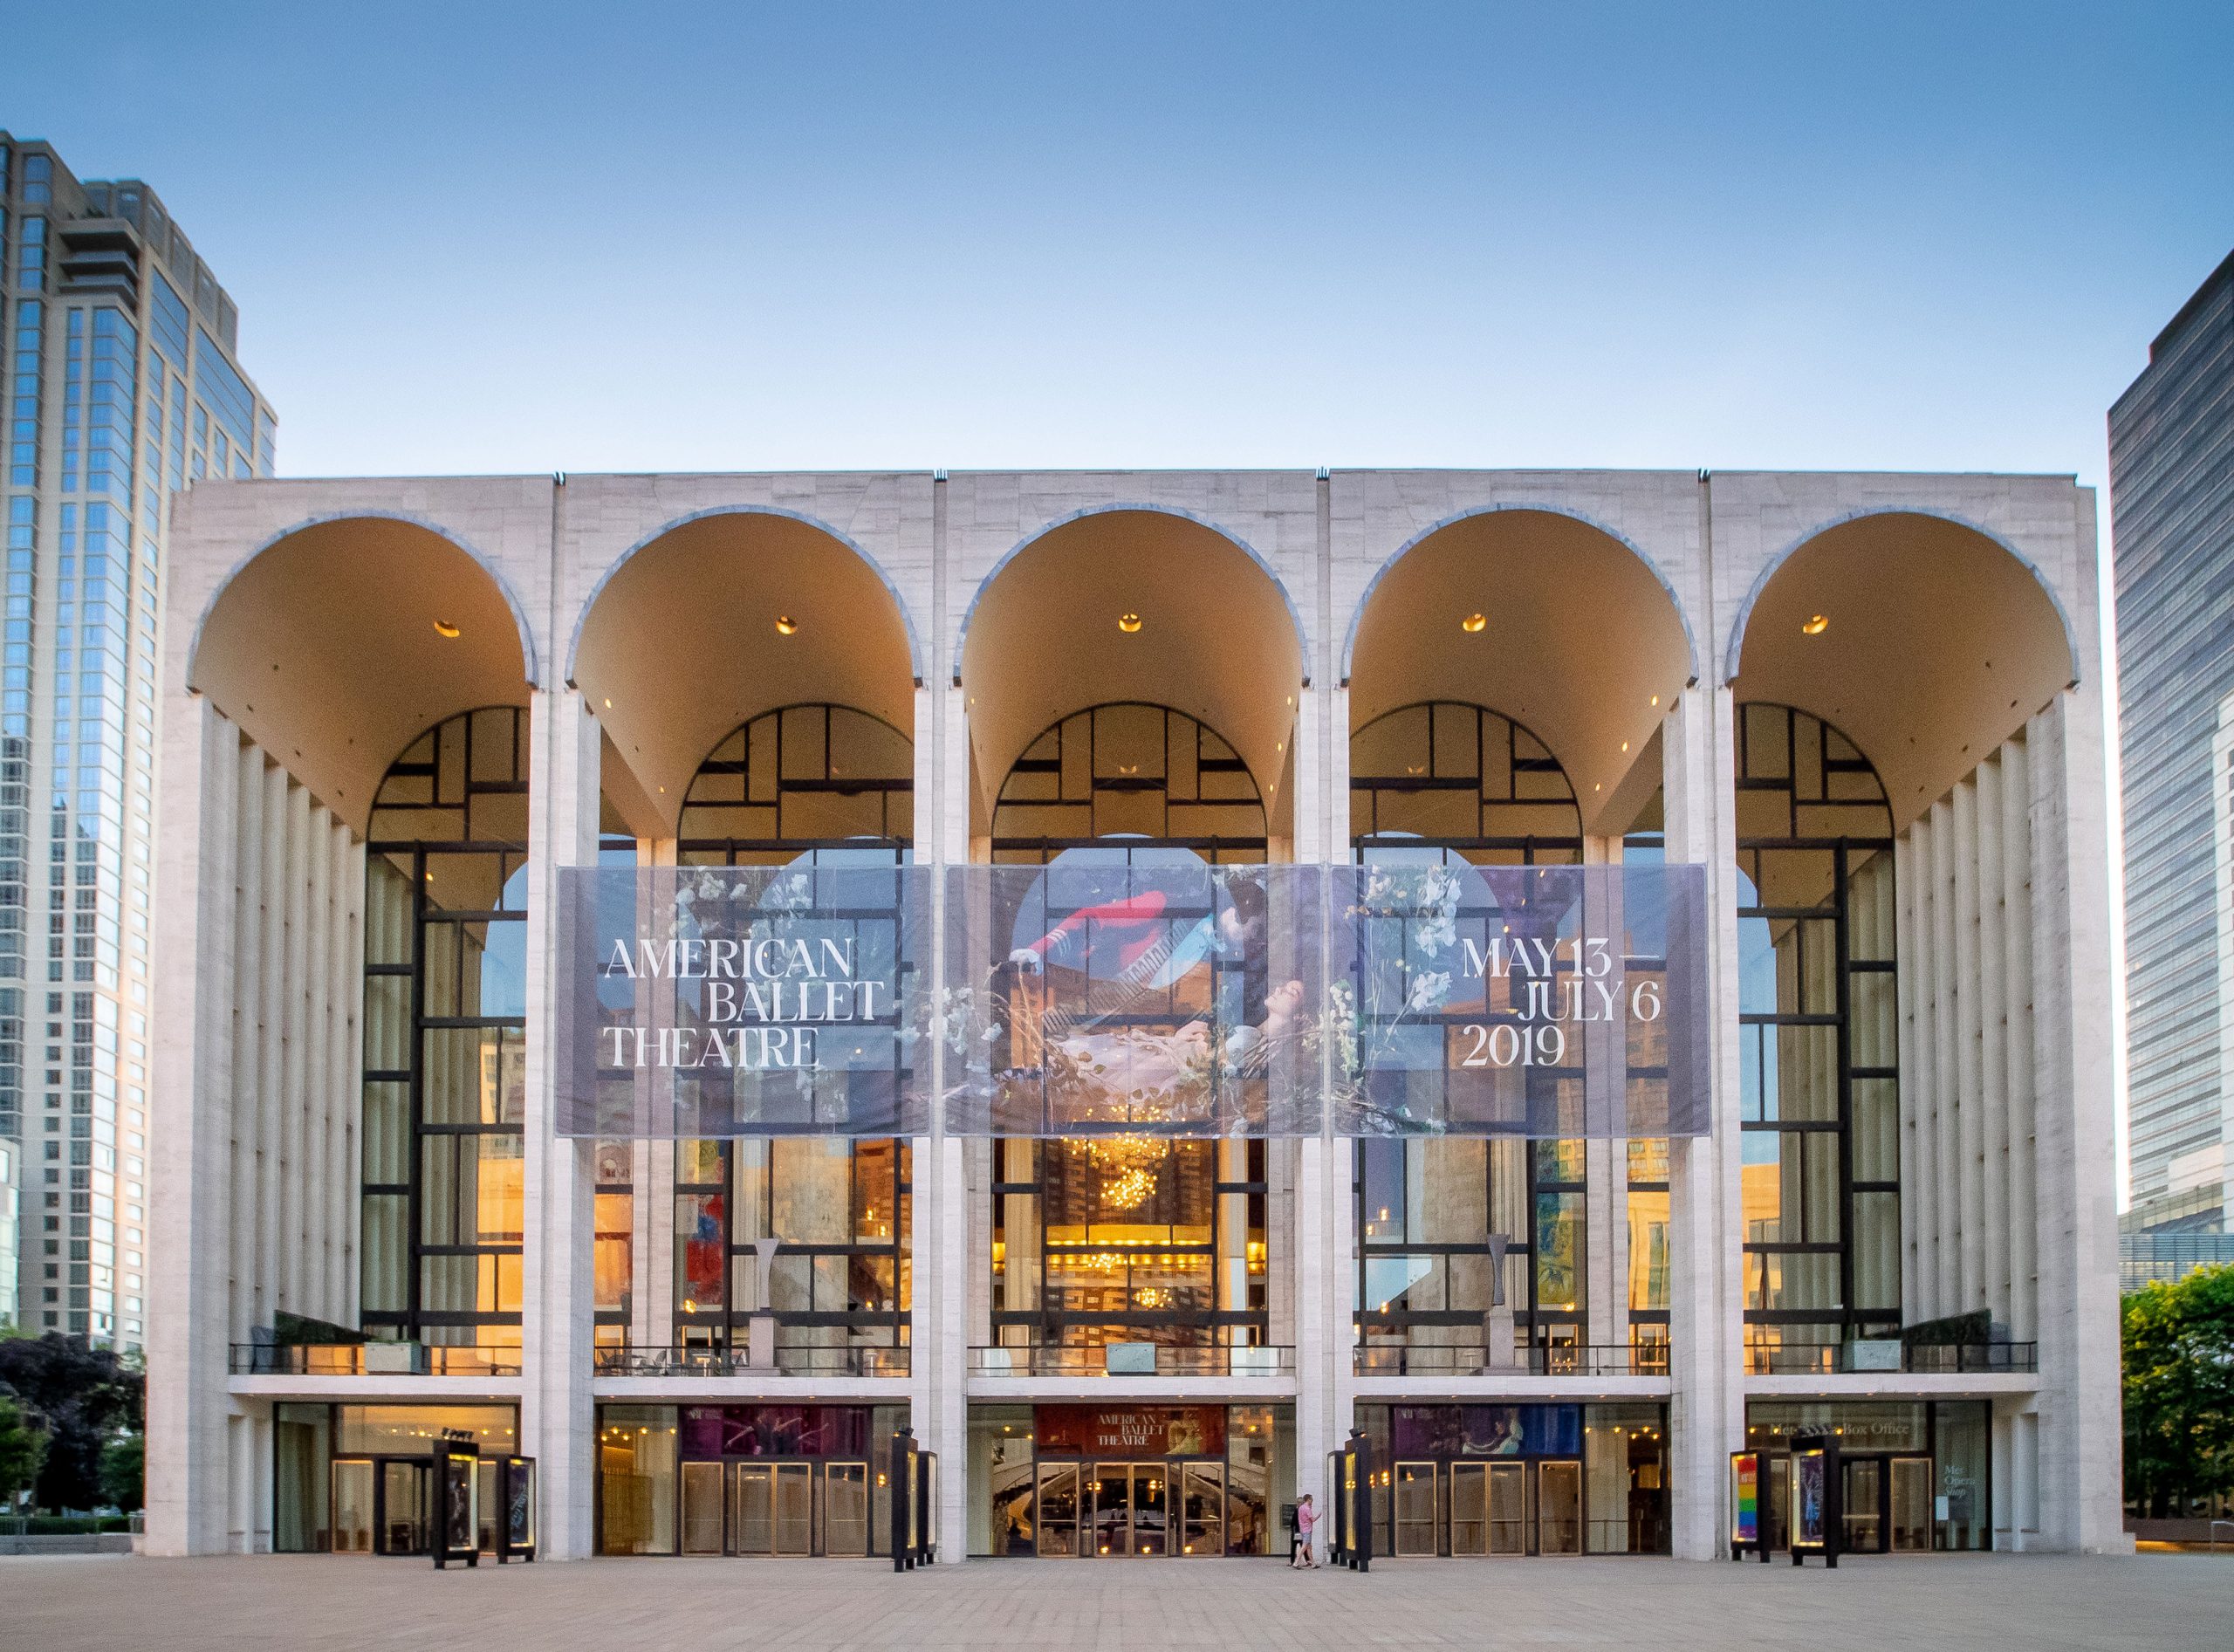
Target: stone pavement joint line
<point x="2165" y="1603"/>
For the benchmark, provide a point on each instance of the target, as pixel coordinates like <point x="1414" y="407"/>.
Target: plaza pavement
<point x="2164" y="1603"/>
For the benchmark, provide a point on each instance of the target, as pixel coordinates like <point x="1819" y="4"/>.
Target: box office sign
<point x="1141" y="991"/>
<point x="726" y="1001"/>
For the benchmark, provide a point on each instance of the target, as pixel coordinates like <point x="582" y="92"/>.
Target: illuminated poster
<point x="1746" y="1498"/>
<point x="1810" y="1487"/>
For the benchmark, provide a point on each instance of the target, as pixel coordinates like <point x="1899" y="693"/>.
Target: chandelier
<point x="1128" y="1165"/>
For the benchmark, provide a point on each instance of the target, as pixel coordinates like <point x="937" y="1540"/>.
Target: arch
<point x="1510" y="814"/>
<point x="907" y="618"/>
<point x="1761" y="580"/>
<point x="336" y="641"/>
<point x="717" y="617"/>
<point x="1926" y="639"/>
<point x="529" y="653"/>
<point x="1295" y="617"/>
<point x="755" y="815"/>
<point x="1215" y="636"/>
<point x="1555" y="622"/>
<point x="1365" y="597"/>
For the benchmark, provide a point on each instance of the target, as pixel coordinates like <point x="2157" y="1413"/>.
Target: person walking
<point x="1305" y="1517"/>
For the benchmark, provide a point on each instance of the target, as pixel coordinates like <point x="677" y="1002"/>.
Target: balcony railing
<point x="1132" y="1359"/>
<point x="371" y="1358"/>
<point x="1885" y="1355"/>
<point x="1554" y="1359"/>
<point x="640" y="1360"/>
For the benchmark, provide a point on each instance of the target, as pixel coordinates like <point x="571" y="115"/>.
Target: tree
<point x="83" y="1396"/>
<point x="2179" y="1390"/>
<point x="23" y="1449"/>
<point x="124" y="1470"/>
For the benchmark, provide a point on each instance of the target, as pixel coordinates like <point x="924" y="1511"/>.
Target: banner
<point x="1141" y="993"/>
<point x="727" y="1001"/>
<point x="1135" y="992"/>
<point x="1548" y="1001"/>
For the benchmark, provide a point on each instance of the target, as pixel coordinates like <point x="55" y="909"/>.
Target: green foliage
<point x="23" y="1449"/>
<point x="83" y="1396"/>
<point x="2179" y="1390"/>
<point x="124" y="1470"/>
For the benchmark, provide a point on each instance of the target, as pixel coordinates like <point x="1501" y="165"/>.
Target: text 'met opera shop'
<point x="1135" y="980"/>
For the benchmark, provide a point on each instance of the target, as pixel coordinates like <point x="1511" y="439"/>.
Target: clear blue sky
<point x="469" y="237"/>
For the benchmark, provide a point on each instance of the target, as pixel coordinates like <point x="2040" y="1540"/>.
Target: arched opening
<point x="716" y="620"/>
<point x="1559" y="625"/>
<point x="1133" y="606"/>
<point x="340" y="642"/>
<point x="1124" y="1240"/>
<point x="823" y="785"/>
<point x="1465" y="1240"/>
<point x="1819" y="1059"/>
<point x="445" y="1070"/>
<point x="1927" y="642"/>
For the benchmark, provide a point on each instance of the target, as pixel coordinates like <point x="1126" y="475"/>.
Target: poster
<point x="1746" y="1498"/>
<point x="1810" y="1487"/>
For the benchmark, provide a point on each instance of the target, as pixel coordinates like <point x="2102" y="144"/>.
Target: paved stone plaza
<point x="2156" y="1602"/>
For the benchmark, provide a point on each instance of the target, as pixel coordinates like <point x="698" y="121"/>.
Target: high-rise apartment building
<point x="120" y="385"/>
<point x="2172" y="499"/>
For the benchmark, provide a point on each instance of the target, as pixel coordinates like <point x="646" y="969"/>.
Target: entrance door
<point x="1862" y="1492"/>
<point x="1112" y="1508"/>
<point x="1414" y="1510"/>
<point x="1151" y="1510"/>
<point x="845" y="1509"/>
<point x="752" y="1509"/>
<point x="795" y="1508"/>
<point x="1201" y="1508"/>
<point x="1911" y="1505"/>
<point x="1508" y="1508"/>
<point x="406" y="1509"/>
<point x="352" y="1479"/>
<point x="1470" y="1508"/>
<point x="1058" y="1510"/>
<point x="702" y="1508"/>
<point x="1559" y="1508"/>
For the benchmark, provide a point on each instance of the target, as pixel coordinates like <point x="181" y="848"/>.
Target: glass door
<point x="795" y="1508"/>
<point x="1508" y="1508"/>
<point x="1862" y="1492"/>
<point x="1112" y="1508"/>
<point x="845" y="1509"/>
<point x="1911" y="1505"/>
<point x="1415" y="1508"/>
<point x="702" y="1508"/>
<point x="1559" y="1508"/>
<point x="1201" y="1508"/>
<point x="752" y="1509"/>
<point x="1058" y="1510"/>
<point x="352" y="1480"/>
<point x="406" y="1505"/>
<point x="1470" y="1508"/>
<point x="1151" y="1510"/>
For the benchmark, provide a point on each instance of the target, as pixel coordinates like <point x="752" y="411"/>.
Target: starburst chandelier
<point x="1129" y="1164"/>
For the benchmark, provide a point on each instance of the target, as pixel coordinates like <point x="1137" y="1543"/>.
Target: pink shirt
<point x="1305" y="1517"/>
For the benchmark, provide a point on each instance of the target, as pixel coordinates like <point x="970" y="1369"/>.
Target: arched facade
<point x="1029" y="670"/>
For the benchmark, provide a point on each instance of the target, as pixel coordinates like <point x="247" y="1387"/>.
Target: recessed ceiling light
<point x="1815" y="624"/>
<point x="1129" y="623"/>
<point x="1625" y="745"/>
<point x="785" y="625"/>
<point x="444" y="628"/>
<point x="1656" y="699"/>
<point x="608" y="702"/>
<point x="1473" y="623"/>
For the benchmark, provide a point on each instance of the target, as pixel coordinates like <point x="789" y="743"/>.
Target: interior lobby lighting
<point x="1473" y="623"/>
<point x="1129" y="623"/>
<point x="1815" y="624"/>
<point x="444" y="628"/>
<point x="785" y="625"/>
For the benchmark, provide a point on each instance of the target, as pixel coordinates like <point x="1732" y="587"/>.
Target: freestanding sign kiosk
<point x="456" y="1525"/>
<point x="1748" y="1488"/>
<point x="1818" y="1521"/>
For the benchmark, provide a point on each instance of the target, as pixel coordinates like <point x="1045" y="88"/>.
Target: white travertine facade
<point x="1629" y="616"/>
